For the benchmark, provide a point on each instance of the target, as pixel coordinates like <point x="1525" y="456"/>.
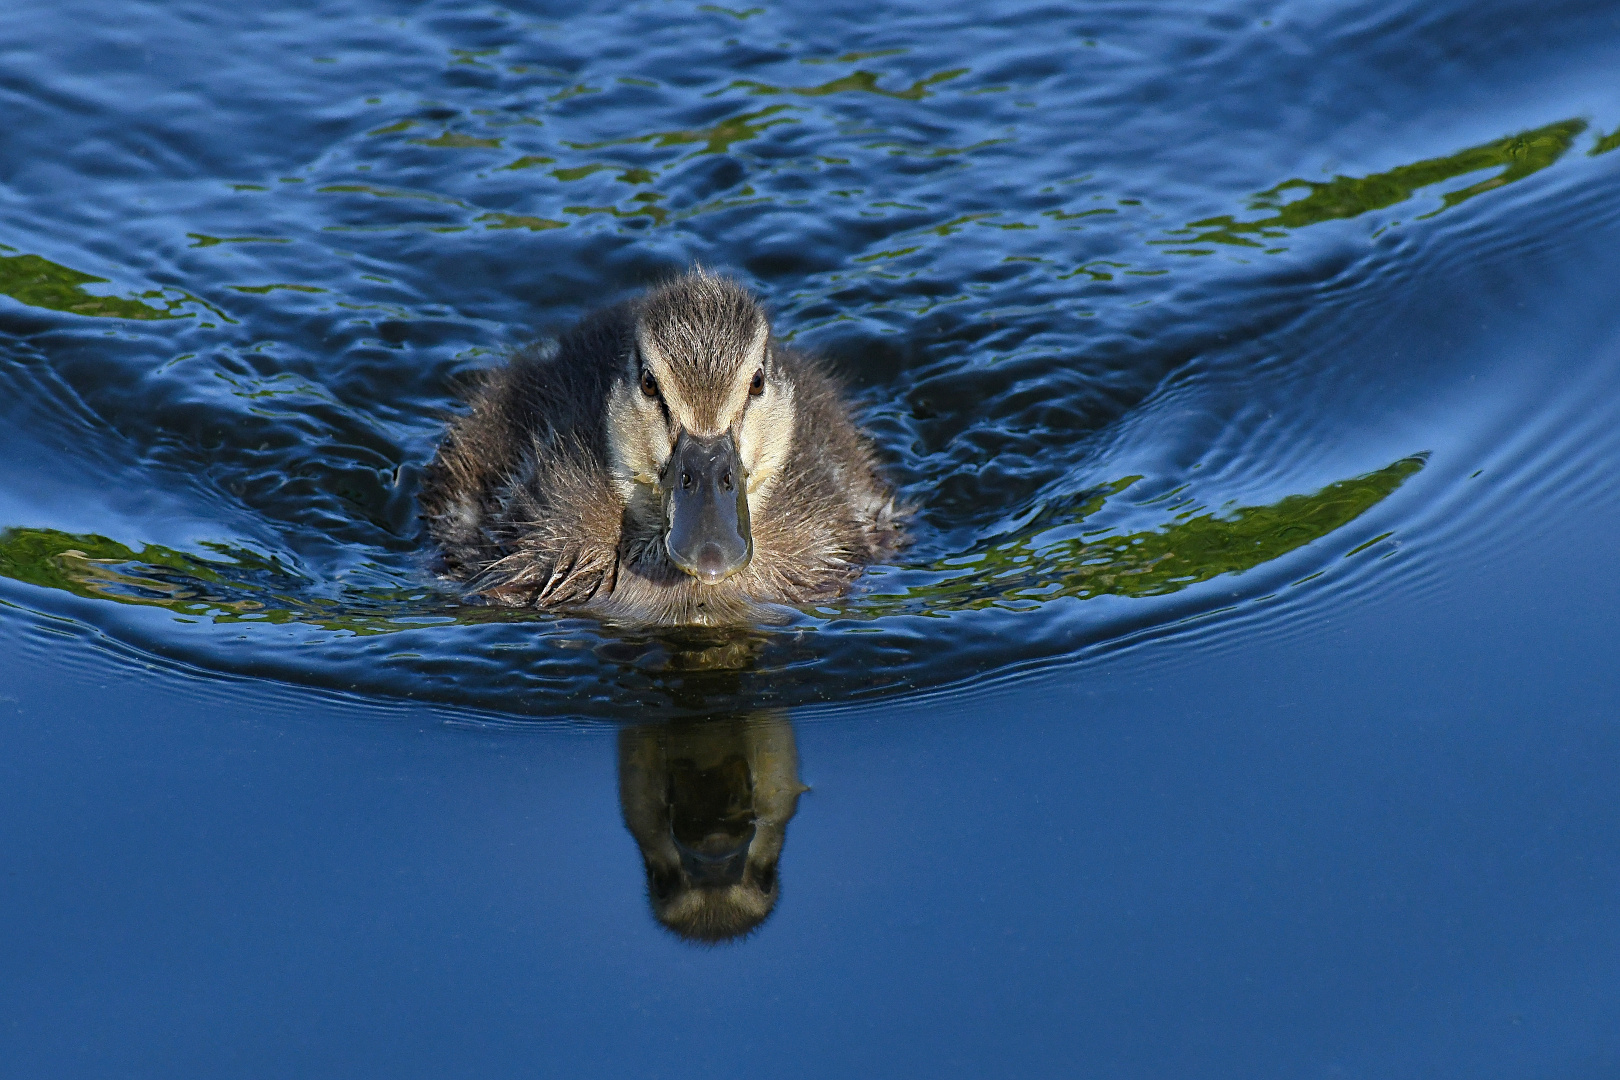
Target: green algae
<point x="38" y="282"/>
<point x="1517" y="156"/>
<point x="865" y="82"/>
<point x="1024" y="571"/>
<point x="262" y="289"/>
<point x="453" y="140"/>
<point x="528" y="161"/>
<point x="657" y="214"/>
<point x="518" y="221"/>
<point x="717" y="139"/>
<point x="242" y="587"/>
<point x="716" y="9"/>
<point x="203" y="240"/>
<point x="578" y="172"/>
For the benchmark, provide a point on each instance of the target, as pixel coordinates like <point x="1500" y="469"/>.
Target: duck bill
<point x="706" y="506"/>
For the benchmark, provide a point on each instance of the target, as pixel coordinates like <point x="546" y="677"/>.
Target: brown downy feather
<point x="522" y="504"/>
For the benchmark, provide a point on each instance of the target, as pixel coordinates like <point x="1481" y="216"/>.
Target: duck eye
<point x="649" y="385"/>
<point x="756" y="385"/>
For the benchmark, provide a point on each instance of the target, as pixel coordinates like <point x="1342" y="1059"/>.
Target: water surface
<point x="1252" y="369"/>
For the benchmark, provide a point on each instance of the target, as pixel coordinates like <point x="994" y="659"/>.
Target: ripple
<point x="1151" y="350"/>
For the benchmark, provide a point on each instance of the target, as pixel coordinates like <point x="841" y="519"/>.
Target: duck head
<point x="700" y="421"/>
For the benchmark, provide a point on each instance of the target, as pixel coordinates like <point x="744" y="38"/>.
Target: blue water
<point x="1245" y="706"/>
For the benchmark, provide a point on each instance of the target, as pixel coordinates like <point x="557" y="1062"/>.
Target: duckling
<point x="708" y="803"/>
<point x="666" y="462"/>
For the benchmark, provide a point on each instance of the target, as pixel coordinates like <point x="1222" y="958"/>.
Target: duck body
<point x="666" y="462"/>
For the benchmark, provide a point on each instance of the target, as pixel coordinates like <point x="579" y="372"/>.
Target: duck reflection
<point x="708" y="802"/>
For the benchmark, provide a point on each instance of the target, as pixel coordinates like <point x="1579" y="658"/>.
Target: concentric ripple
<point x="1187" y="320"/>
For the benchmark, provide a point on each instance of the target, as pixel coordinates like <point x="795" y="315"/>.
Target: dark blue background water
<point x="1246" y="706"/>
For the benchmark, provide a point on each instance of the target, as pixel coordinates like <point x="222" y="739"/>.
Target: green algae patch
<point x="1023" y="571"/>
<point x="203" y="240"/>
<point x="59" y="560"/>
<point x="528" y="161"/>
<point x="246" y="588"/>
<point x="471" y="57"/>
<point x="657" y="214"/>
<point x="452" y="140"/>
<point x="41" y="283"/>
<point x="518" y="221"/>
<point x="1296" y="203"/>
<point x="716" y="140"/>
<point x="262" y="289"/>
<point x="865" y="82"/>
<point x="578" y="172"/>
<point x="743" y="15"/>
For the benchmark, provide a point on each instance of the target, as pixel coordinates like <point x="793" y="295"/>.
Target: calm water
<point x="1245" y="706"/>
